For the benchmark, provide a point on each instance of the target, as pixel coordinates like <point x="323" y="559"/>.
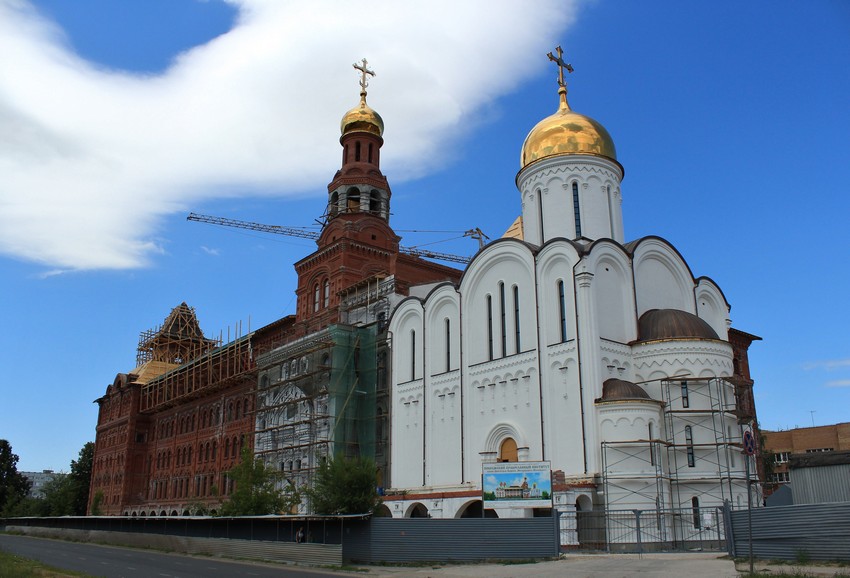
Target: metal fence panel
<point x="324" y="554"/>
<point x="798" y="532"/>
<point x="463" y="539"/>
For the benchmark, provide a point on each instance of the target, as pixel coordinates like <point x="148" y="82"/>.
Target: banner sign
<point x="517" y="485"/>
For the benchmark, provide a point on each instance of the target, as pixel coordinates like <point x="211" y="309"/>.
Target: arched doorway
<point x="417" y="510"/>
<point x="508" y="450"/>
<point x="383" y="511"/>
<point x="590" y="525"/>
<point x="471" y="509"/>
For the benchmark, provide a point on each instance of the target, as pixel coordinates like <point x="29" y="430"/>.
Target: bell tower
<point x="359" y="186"/>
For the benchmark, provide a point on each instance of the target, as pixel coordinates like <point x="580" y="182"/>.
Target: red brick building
<point x="170" y="429"/>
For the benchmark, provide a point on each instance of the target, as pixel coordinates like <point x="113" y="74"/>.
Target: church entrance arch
<point x="590" y="525"/>
<point x="471" y="509"/>
<point x="508" y="450"/>
<point x="417" y="510"/>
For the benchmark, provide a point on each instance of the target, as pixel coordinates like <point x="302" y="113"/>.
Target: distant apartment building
<point x="38" y="480"/>
<point x="804" y="440"/>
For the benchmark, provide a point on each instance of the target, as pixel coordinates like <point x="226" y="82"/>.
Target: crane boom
<point x="276" y="229"/>
<point x="313" y="235"/>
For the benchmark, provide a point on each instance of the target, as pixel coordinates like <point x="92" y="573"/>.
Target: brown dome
<point x="619" y="389"/>
<point x="673" y="324"/>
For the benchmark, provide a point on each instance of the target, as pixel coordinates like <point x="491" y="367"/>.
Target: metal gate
<point x="683" y="529"/>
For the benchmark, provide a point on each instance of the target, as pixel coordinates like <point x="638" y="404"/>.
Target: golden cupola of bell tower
<point x="359" y="186"/>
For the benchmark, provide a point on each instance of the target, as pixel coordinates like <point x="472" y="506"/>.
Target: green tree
<point x="80" y="480"/>
<point x="345" y="486"/>
<point x="13" y="485"/>
<point x="255" y="489"/>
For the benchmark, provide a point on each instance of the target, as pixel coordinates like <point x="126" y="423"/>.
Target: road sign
<point x="749" y="443"/>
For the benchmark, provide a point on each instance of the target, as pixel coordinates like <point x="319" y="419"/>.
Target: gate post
<point x="637" y="530"/>
<point x="727" y="527"/>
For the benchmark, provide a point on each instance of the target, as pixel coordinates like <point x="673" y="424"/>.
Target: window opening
<point x="695" y="509"/>
<point x="490" y="327"/>
<point x="686" y="402"/>
<point x="412" y="354"/>
<point x="576" y="210"/>
<point x="517" y="347"/>
<point x="562" y="308"/>
<point x="448" y="344"/>
<point x="502" y="320"/>
<point x="651" y="446"/>
<point x="357" y="151"/>
<point x="689" y="441"/>
<point x="327" y="296"/>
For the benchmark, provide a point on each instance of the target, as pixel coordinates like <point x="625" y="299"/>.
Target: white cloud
<point x="208" y="251"/>
<point x="92" y="159"/>
<point x="838" y="383"/>
<point x="828" y="365"/>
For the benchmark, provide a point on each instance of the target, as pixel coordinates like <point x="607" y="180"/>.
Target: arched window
<point x="327" y="292"/>
<point x="689" y="442"/>
<point x="315" y="297"/>
<point x="370" y="153"/>
<point x="517" y="347"/>
<point x="489" y="327"/>
<point x="562" y="309"/>
<point x="357" y="151"/>
<point x="214" y="449"/>
<point x="686" y="402"/>
<point x="448" y="344"/>
<point x="353" y="204"/>
<point x="207" y="452"/>
<point x="226" y="448"/>
<point x="333" y="208"/>
<point x="412" y="354"/>
<point x="503" y="325"/>
<point x="651" y="445"/>
<point x="508" y="450"/>
<point x="238" y="409"/>
<point x="374" y="199"/>
<point x="190" y="455"/>
<point x="576" y="210"/>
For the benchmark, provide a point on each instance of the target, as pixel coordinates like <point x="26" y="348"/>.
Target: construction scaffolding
<point x="697" y="453"/>
<point x="316" y="399"/>
<point x="190" y="363"/>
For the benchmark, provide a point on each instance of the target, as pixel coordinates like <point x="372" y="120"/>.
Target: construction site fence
<point x="799" y="532"/>
<point x="639" y="531"/>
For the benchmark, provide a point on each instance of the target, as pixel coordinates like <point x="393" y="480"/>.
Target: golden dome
<point x="362" y="118"/>
<point x="566" y="133"/>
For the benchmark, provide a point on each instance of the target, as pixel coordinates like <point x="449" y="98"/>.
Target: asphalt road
<point x="116" y="562"/>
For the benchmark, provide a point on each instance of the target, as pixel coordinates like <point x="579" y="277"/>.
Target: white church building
<point x="567" y="345"/>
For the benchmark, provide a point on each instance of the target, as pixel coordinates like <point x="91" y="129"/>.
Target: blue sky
<point x="118" y="118"/>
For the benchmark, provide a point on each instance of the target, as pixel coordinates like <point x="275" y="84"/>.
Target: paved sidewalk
<point x="692" y="565"/>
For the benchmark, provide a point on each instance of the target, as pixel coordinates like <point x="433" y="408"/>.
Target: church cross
<point x="364" y="73"/>
<point x="559" y="60"/>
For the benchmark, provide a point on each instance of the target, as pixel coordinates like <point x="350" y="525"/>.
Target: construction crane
<point x="305" y="233"/>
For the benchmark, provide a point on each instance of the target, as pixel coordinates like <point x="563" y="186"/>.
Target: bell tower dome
<point x="569" y="176"/>
<point x="359" y="186"/>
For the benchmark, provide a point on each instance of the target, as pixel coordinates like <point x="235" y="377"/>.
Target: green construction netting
<point x="351" y="391"/>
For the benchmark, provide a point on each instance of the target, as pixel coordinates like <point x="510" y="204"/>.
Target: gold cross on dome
<point x="559" y="60"/>
<point x="363" y="67"/>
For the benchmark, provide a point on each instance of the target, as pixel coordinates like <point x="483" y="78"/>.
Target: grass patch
<point x="12" y="566"/>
